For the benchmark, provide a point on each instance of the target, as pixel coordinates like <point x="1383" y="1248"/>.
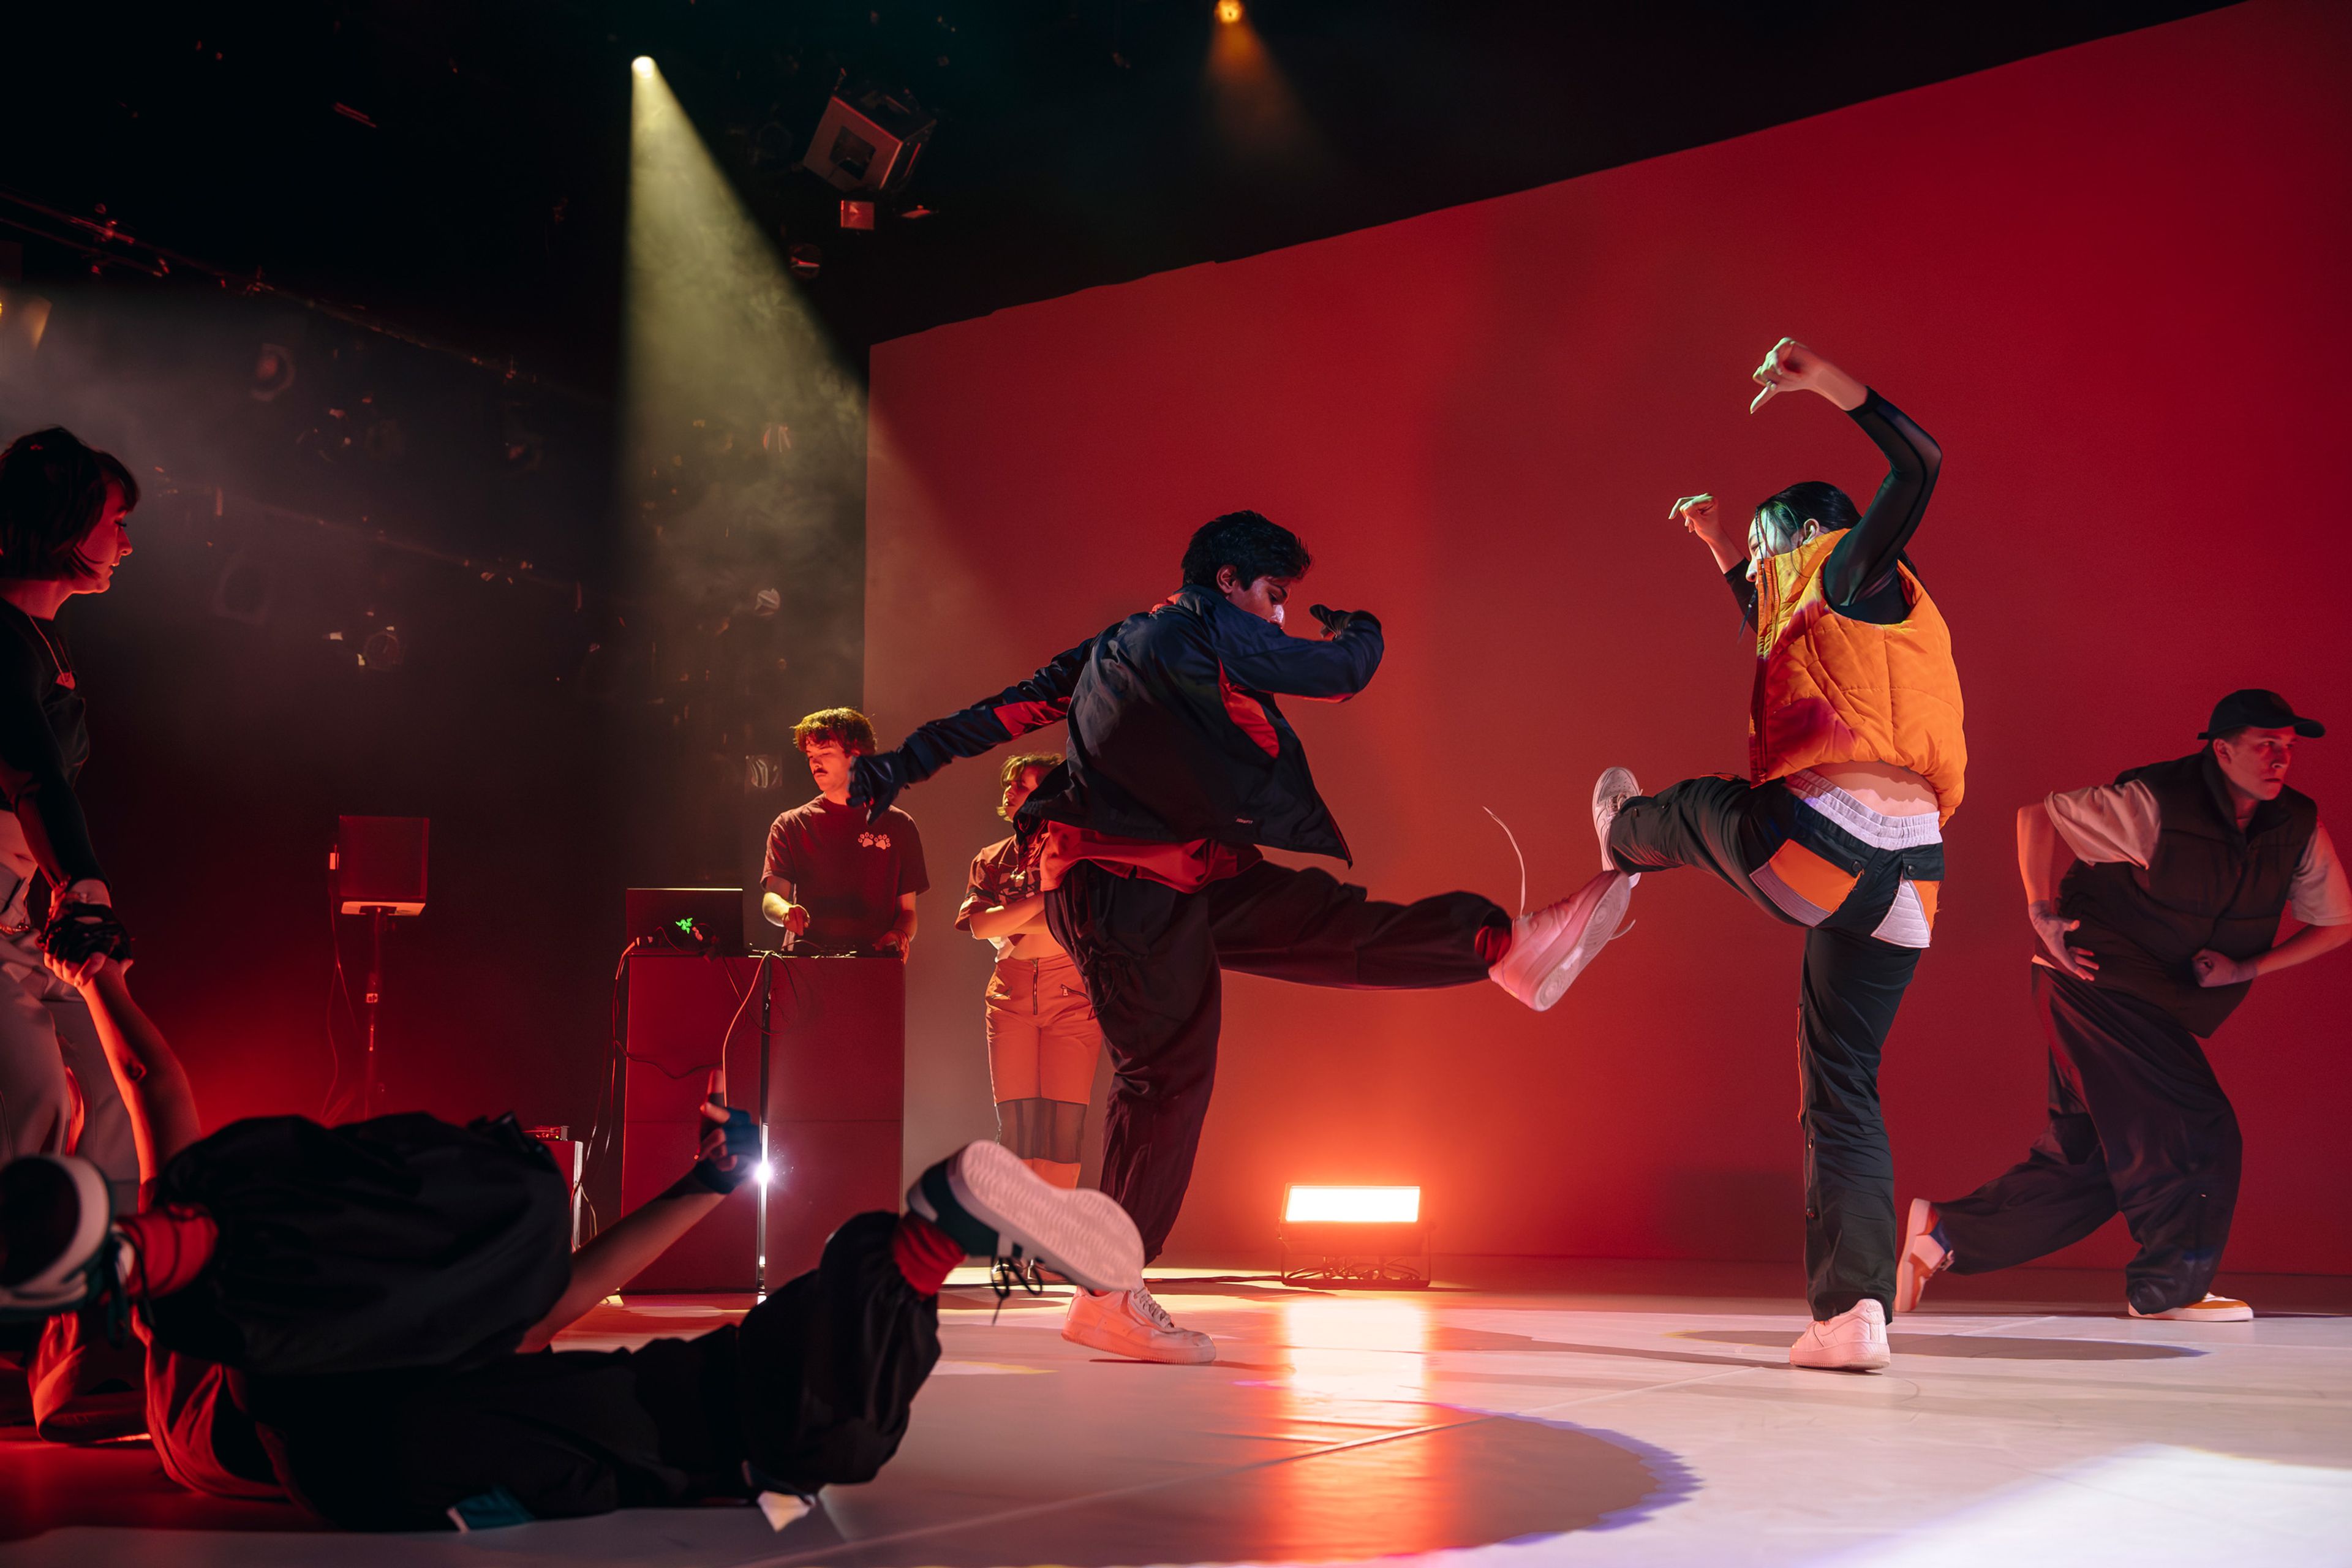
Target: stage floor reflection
<point x="1566" y="1415"/>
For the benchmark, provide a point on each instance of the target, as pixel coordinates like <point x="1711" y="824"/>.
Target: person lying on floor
<point x="335" y="1399"/>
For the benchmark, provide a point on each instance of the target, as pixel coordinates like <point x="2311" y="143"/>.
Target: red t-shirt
<point x="848" y="873"/>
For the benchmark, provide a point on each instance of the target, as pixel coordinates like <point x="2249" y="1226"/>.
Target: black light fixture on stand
<point x="378" y="864"/>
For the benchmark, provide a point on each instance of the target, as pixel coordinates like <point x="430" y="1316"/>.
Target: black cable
<point x="600" y="1132"/>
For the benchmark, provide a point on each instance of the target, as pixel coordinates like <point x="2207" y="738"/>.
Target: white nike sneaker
<point x="1854" y="1341"/>
<point x="2211" y="1309"/>
<point x="1131" y="1323"/>
<point x="1921" y="1258"/>
<point x="990" y="1202"/>
<point x="1613" y="790"/>
<point x="1550" y="946"/>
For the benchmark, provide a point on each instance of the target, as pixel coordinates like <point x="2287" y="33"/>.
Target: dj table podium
<point x="832" y="1082"/>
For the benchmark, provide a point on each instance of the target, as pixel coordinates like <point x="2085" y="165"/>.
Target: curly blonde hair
<point x="853" y="731"/>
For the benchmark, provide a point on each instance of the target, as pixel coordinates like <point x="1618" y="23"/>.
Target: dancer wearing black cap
<point x="2172" y="910"/>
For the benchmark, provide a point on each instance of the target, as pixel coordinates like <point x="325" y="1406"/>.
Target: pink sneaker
<point x="1551" y="947"/>
<point x="1923" y="1256"/>
<point x="1854" y="1341"/>
<point x="1610" y="792"/>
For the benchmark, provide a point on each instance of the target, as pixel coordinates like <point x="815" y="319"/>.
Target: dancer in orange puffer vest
<point x="1855" y="762"/>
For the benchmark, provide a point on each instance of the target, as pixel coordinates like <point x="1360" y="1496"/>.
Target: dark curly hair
<point x="52" y="492"/>
<point x="1247" y="542"/>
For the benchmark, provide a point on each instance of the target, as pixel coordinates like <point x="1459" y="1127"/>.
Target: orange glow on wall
<point x="1351" y="1205"/>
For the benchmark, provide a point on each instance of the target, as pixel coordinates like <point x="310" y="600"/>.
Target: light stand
<point x="763" y="977"/>
<point x="377" y="867"/>
<point x="378" y="916"/>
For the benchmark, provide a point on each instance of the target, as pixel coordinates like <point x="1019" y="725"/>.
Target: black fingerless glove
<point x="742" y="1144"/>
<point x="875" y="781"/>
<point x="1336" y="621"/>
<point x="78" y="932"/>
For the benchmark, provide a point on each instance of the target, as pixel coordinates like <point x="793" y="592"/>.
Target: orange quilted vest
<point x="1829" y="690"/>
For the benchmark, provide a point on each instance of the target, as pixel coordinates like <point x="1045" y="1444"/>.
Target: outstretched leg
<point x="2059" y="1193"/>
<point x="1713" y="824"/>
<point x="1310" y="928"/>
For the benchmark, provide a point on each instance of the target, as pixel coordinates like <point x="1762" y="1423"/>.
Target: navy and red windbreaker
<point x="1174" y="735"/>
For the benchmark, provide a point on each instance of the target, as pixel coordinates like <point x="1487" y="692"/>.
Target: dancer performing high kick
<point x="1179" y="768"/>
<point x="1856" y="757"/>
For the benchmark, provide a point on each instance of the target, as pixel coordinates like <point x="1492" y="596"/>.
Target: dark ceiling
<point x="456" y="167"/>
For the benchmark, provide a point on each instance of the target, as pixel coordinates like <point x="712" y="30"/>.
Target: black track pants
<point x="2138" y="1125"/>
<point x="1152" y="958"/>
<point x="813" y="1387"/>
<point x="1852" y="986"/>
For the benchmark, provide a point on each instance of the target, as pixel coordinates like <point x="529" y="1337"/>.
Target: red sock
<point x="170" y="1247"/>
<point x="924" y="1253"/>
<point x="1494" y="944"/>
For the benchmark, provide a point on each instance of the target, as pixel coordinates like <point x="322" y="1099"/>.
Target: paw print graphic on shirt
<point x="875" y="840"/>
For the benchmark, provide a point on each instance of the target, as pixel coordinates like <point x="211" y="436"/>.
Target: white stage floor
<point x="1484" y="1427"/>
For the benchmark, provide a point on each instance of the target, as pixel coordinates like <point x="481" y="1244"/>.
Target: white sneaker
<point x="994" y="1205"/>
<point x="1550" y="946"/>
<point x="2211" y="1309"/>
<point x="1921" y="1258"/>
<point x="1854" y="1341"/>
<point x="1131" y="1323"/>
<point x="1613" y="789"/>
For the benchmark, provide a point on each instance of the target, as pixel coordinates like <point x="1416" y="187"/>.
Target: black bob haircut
<point x="1785" y="512"/>
<point x="52" y="492"/>
<point x="1247" y="542"/>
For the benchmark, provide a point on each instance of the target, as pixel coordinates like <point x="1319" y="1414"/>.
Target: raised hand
<point x="1791" y="367"/>
<point x="1699" y="515"/>
<point x="1334" y="621"/>
<point x="730" y="1139"/>
<point x="2051" y="928"/>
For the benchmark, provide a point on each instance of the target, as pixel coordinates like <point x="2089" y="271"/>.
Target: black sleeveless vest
<point x="2208" y="884"/>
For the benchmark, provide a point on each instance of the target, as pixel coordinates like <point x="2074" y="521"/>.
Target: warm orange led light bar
<point x="1356" y="1206"/>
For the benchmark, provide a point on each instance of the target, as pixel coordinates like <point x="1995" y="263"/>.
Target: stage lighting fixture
<point x="246" y="588"/>
<point x="869" y="143"/>
<point x="643" y="65"/>
<point x="1368" y="1236"/>
<point x="23" y="319"/>
<point x="381" y="650"/>
<point x="1229" y="11"/>
<point x="857" y="215"/>
<point x="273" y="373"/>
<point x="1351" y="1205"/>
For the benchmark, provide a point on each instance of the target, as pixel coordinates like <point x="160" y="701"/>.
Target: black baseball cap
<point x="2257" y="709"/>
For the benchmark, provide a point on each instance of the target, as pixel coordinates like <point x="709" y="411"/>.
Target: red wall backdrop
<point x="2111" y="281"/>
